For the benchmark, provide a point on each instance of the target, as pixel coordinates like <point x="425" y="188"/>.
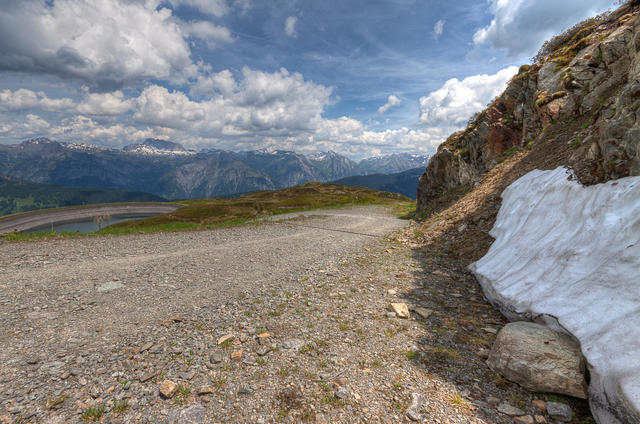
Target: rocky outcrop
<point x="539" y="359"/>
<point x="584" y="94"/>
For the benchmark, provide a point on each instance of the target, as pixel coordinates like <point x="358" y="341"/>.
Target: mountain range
<point x="169" y="170"/>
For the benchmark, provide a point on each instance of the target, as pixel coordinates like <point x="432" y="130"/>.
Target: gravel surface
<point x="288" y="321"/>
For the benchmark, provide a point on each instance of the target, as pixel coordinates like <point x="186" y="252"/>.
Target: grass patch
<point x="201" y="214"/>
<point x="93" y="413"/>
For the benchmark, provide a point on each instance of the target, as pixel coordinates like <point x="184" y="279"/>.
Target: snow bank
<point x="568" y="256"/>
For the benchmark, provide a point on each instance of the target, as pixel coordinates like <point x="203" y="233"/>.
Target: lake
<point x="84" y="226"/>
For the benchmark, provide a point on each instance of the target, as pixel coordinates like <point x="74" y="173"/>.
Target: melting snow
<point x="569" y="256"/>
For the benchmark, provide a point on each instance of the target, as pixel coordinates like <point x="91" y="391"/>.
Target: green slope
<point x="21" y="196"/>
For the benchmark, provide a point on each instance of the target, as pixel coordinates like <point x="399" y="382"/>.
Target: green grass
<point x="201" y="214"/>
<point x="93" y="413"/>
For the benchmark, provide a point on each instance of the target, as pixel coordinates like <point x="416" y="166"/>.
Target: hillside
<point x="575" y="107"/>
<point x="405" y="183"/>
<point x="21" y="196"/>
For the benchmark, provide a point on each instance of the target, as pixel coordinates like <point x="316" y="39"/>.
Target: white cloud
<point x="158" y="106"/>
<point x="210" y="85"/>
<point x="211" y="7"/>
<point x="456" y="101"/>
<point x="36" y="123"/>
<point x="213" y="35"/>
<point x="105" y="104"/>
<point x="521" y="26"/>
<point x="290" y="26"/>
<point x="391" y="101"/>
<point x="438" y="29"/>
<point x="22" y="99"/>
<point x="106" y="43"/>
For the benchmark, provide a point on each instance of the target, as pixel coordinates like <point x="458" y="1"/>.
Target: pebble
<point x="341" y="393"/>
<point x="509" y="409"/>
<point x="524" y="419"/>
<point x="413" y="411"/>
<point x="559" y="411"/>
<point x="168" y="388"/>
<point x="293" y="344"/>
<point x="401" y="310"/>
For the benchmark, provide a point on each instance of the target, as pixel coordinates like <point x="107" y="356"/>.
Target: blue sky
<point x="358" y="77"/>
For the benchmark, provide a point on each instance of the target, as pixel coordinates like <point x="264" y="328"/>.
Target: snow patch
<point x="568" y="256"/>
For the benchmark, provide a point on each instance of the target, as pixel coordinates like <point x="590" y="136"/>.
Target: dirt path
<point x="94" y="326"/>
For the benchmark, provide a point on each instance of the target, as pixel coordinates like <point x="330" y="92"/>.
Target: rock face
<point x="587" y="90"/>
<point x="539" y="359"/>
<point x="569" y="258"/>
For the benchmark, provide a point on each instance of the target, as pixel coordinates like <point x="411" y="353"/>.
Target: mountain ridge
<point x="169" y="170"/>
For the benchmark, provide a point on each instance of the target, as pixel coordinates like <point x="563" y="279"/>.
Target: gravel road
<point x="284" y="321"/>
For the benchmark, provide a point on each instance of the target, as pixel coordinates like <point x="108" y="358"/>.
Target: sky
<point x="359" y="77"/>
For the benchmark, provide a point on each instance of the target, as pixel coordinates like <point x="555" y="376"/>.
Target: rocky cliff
<point x="579" y="102"/>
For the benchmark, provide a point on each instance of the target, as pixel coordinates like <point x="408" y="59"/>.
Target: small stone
<point x="493" y="401"/>
<point x="559" y="411"/>
<point x="508" y="409"/>
<point x="413" y="411"/>
<point x="226" y="338"/>
<point x="146" y="346"/>
<point x="490" y="330"/>
<point x="401" y="310"/>
<point x="293" y="344"/>
<point x="540" y="419"/>
<point x="206" y="390"/>
<point x="341" y="393"/>
<point x="65" y="375"/>
<point x="483" y="353"/>
<point x="216" y="358"/>
<point x="263" y="350"/>
<point x="264" y="335"/>
<point x="392" y="292"/>
<point x="524" y="419"/>
<point x="423" y="313"/>
<point x="194" y="414"/>
<point x="245" y="391"/>
<point x="168" y="388"/>
<point x="237" y="355"/>
<point x="391" y="314"/>
<point x="462" y="228"/>
<point x="539" y="404"/>
<point x="148" y="376"/>
<point x="33" y="361"/>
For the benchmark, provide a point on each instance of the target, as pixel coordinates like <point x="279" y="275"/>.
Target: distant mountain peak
<point x="155" y="146"/>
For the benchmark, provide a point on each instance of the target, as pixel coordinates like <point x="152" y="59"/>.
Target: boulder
<point x="539" y="359"/>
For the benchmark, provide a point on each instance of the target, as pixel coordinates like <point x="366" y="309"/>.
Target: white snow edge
<point x="568" y="256"/>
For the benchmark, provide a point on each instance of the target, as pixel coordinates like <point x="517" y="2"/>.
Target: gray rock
<point x="342" y="393"/>
<point x="263" y="350"/>
<point x="112" y="285"/>
<point x="216" y="358"/>
<point x="509" y="409"/>
<point x="559" y="411"/>
<point x="539" y="359"/>
<point x="413" y="411"/>
<point x="293" y="344"/>
<point x="194" y="414"/>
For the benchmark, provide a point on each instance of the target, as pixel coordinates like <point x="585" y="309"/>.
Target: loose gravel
<point x="287" y="321"/>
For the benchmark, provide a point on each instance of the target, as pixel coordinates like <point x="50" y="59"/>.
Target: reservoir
<point x="84" y="226"/>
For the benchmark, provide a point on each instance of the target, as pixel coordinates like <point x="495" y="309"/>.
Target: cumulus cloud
<point x="211" y="7"/>
<point x="456" y="101"/>
<point x="107" y="43"/>
<point x="290" y="26"/>
<point x="212" y="34"/>
<point x="391" y="101"/>
<point x="438" y="29"/>
<point x="22" y="99"/>
<point x="521" y="26"/>
<point x="105" y="104"/>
